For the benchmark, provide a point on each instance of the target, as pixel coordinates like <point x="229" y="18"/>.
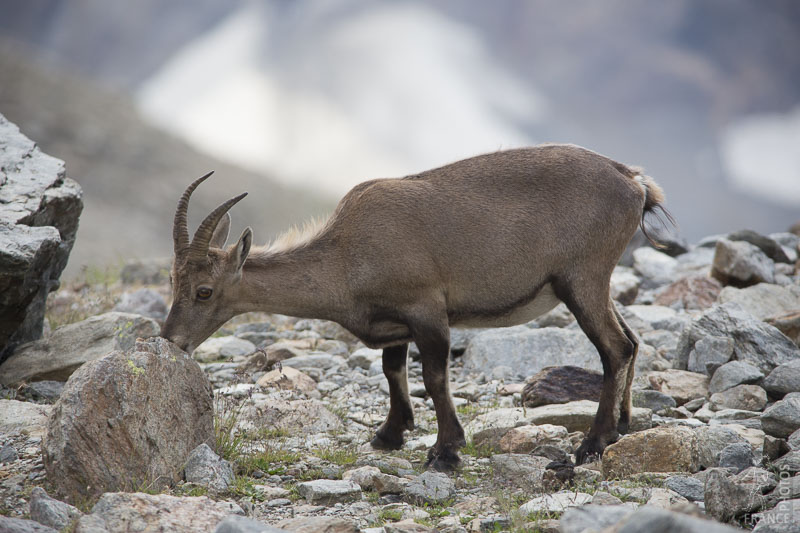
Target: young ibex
<point x="494" y="240"/>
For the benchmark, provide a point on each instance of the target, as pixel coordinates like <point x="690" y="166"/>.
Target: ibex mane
<point x="494" y="240"/>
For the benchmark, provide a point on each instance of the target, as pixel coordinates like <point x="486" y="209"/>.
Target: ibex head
<point x="205" y="274"/>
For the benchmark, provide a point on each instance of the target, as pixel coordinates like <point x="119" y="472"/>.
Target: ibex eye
<point x="203" y="293"/>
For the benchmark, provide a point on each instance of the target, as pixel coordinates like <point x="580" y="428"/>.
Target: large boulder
<point x="527" y="350"/>
<point x="660" y="449"/>
<point x="764" y="300"/>
<point x="128" y="420"/>
<point x="741" y="264"/>
<point x="755" y="342"/>
<point x="39" y="211"/>
<point x="70" y="346"/>
<point x="119" y="511"/>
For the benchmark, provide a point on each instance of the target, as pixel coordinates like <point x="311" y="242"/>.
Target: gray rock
<point x="294" y="416"/>
<point x="204" y="467"/>
<point x="46" y="390"/>
<point x="732" y="374"/>
<point x="430" y="487"/>
<point x="556" y="502"/>
<point x="120" y="511"/>
<point x="741" y="264"/>
<point x="768" y="245"/>
<point x="592" y="517"/>
<point x="51" y="512"/>
<point x="788" y="488"/>
<point x="321" y="360"/>
<point x="652" y="399"/>
<point x="794" y="440"/>
<point x="579" y="415"/>
<point x="20" y="525"/>
<point x="519" y="470"/>
<point x="69" y="347"/>
<point x="656" y="317"/>
<point x="784" y="379"/>
<point x="242" y="524"/>
<point x="688" y="487"/>
<point x="755" y="342"/>
<point x="562" y="384"/>
<point x="789" y="463"/>
<point x="223" y="348"/>
<point x="740" y="397"/>
<point x="8" y="454"/>
<point x="764" y="300"/>
<point x="363" y="358"/>
<point x="783" y="518"/>
<point x="558" y="317"/>
<point x="389" y="484"/>
<point x="657" y="268"/>
<point x="108" y="430"/>
<point x="145" y="302"/>
<point x="514" y="348"/>
<point x="318" y="524"/>
<point x="624" y="285"/>
<point x="654" y="520"/>
<point x="692" y="292"/>
<point x="712" y="439"/>
<point x="710" y="353"/>
<point x="329" y="491"/>
<point x="23" y="417"/>
<point x="39" y="212"/>
<point x="737" y="456"/>
<point x="725" y="500"/>
<point x="782" y="418"/>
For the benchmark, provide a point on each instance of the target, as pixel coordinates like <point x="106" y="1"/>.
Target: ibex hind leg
<point x="597" y="317"/>
<point x="626" y="405"/>
<point x="401" y="415"/>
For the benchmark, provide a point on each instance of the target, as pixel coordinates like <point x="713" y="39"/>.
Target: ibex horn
<point x="180" y="228"/>
<point x="198" y="249"/>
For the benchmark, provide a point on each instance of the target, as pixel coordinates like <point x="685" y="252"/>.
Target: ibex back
<point x="494" y="240"/>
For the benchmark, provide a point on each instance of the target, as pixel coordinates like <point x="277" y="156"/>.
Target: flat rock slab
<point x="579" y="415"/>
<point x="562" y="384"/>
<point x="23" y="417"/>
<point x="70" y="346"/>
<point x="119" y="511"/>
<point x="430" y="487"/>
<point x="527" y="351"/>
<point x="128" y="419"/>
<point x="294" y="416"/>
<point x="329" y="491"/>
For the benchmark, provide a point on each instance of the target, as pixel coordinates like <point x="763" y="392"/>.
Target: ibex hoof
<point x="442" y="460"/>
<point x="381" y="443"/>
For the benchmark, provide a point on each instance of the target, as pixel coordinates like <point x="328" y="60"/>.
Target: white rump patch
<point x="297" y="237"/>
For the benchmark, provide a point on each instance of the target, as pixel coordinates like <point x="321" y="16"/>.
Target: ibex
<point x="494" y="240"/>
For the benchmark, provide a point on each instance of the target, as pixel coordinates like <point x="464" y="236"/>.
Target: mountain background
<point x="296" y="101"/>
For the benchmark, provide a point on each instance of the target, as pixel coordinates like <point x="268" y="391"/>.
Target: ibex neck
<point x="302" y="283"/>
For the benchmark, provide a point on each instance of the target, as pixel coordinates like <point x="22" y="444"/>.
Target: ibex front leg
<point x="401" y="415"/>
<point x="433" y="341"/>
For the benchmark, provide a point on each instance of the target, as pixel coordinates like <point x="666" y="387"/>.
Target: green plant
<point x="229" y="440"/>
<point x="390" y="515"/>
<point x="342" y="456"/>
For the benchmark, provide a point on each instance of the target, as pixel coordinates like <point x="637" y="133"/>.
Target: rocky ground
<point x="716" y="429"/>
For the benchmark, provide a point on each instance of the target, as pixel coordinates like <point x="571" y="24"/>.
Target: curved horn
<point x="180" y="228"/>
<point x="198" y="249"/>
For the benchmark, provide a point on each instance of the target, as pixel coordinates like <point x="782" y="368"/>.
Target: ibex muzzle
<point x="494" y="240"/>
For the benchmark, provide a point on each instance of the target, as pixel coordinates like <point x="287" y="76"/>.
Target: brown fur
<point x="474" y="241"/>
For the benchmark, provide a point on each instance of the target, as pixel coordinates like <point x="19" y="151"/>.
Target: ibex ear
<point x="221" y="232"/>
<point x="243" y="247"/>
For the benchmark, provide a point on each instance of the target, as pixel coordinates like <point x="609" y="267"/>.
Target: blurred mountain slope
<point x="132" y="173"/>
